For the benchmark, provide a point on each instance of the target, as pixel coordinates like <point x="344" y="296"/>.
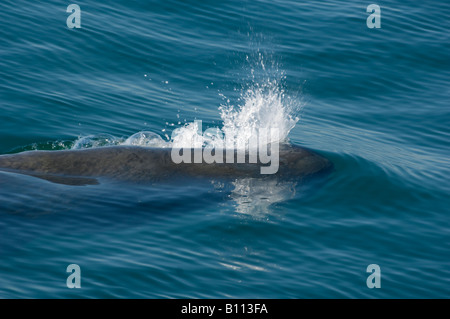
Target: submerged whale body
<point x="144" y="164"/>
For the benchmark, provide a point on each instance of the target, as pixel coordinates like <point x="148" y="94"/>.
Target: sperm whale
<point x="145" y="164"/>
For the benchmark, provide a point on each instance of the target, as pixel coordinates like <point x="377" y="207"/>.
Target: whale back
<point x="137" y="164"/>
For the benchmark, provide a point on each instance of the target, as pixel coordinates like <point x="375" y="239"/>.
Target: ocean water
<point x="375" y="102"/>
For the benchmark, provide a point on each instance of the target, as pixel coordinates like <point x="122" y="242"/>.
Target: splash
<point x="92" y="141"/>
<point x="146" y="139"/>
<point x="262" y="105"/>
<point x="265" y="107"/>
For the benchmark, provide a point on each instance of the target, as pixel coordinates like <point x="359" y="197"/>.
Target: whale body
<point x="144" y="164"/>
